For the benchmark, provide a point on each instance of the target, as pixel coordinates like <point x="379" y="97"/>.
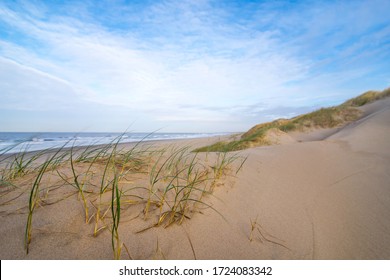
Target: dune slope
<point x="326" y="199"/>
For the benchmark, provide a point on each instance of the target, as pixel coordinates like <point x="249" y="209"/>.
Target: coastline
<point x="22" y="142"/>
<point x="195" y="142"/>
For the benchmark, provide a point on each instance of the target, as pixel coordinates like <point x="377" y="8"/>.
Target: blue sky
<point x="184" y="66"/>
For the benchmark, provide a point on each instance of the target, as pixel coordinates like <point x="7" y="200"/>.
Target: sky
<point x="184" y="66"/>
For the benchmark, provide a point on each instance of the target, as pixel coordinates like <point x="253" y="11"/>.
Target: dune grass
<point x="20" y="165"/>
<point x="169" y="183"/>
<point x="367" y="97"/>
<point x="116" y="214"/>
<point x="53" y="160"/>
<point x="322" y="118"/>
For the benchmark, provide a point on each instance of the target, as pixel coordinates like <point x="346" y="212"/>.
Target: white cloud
<point x="177" y="61"/>
<point x="103" y="63"/>
<point x="26" y="88"/>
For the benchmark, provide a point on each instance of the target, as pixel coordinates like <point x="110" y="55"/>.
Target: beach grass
<point x="367" y="97"/>
<point x="116" y="214"/>
<point x="323" y="118"/>
<point x="169" y="182"/>
<point x="53" y="160"/>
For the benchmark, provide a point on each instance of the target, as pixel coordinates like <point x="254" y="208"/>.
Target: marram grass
<point x="169" y="183"/>
<point x="34" y="194"/>
<point x="322" y="118"/>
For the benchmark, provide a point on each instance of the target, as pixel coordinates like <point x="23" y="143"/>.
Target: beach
<point x="320" y="194"/>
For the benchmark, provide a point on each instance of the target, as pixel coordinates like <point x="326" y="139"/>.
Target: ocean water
<point x="13" y="142"/>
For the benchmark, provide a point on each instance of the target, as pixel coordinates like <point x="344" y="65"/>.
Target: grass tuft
<point x="116" y="214"/>
<point x="34" y="195"/>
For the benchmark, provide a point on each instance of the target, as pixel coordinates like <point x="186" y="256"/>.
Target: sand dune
<point x="325" y="199"/>
<point x="325" y="196"/>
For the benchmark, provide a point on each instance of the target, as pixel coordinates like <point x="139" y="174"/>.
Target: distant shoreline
<point x="36" y="142"/>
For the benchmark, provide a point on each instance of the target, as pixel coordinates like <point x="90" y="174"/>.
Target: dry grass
<point x="322" y="118"/>
<point x="367" y="97"/>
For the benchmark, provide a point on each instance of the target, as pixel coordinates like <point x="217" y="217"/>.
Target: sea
<point x="14" y="142"/>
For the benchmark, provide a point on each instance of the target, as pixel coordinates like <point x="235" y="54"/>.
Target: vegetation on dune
<point x="159" y="186"/>
<point x="322" y="118"/>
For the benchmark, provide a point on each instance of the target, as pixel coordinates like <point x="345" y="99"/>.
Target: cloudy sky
<point x="184" y="66"/>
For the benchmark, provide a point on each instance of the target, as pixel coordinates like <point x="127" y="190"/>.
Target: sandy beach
<point x="323" y="194"/>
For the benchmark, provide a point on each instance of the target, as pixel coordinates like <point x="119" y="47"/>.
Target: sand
<point x="319" y="195"/>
